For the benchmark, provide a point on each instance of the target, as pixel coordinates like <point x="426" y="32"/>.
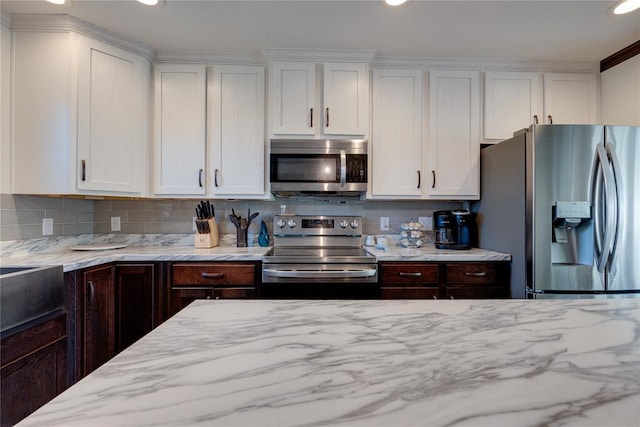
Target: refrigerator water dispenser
<point x="572" y="233"/>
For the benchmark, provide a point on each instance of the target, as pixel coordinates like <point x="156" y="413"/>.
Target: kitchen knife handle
<point x="310" y="117"/>
<point x="90" y="292"/>
<point x="84" y="170"/>
<point x="419" y="179"/>
<point x="479" y="274"/>
<point x="433" y="179"/>
<point x="327" y="117"/>
<point x="213" y="275"/>
<point x="215" y="178"/>
<point x="405" y="274"/>
<point x="200" y="178"/>
<point x="550" y="119"/>
<point x="535" y="119"/>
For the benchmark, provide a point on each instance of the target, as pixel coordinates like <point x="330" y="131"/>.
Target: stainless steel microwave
<point x="318" y="167"/>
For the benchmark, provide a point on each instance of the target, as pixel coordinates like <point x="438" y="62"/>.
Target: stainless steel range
<point x="317" y="256"/>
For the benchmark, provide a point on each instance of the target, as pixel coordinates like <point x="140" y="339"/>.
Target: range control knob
<point x="292" y="223"/>
<point x="354" y="223"/>
<point x="281" y="223"/>
<point x="343" y="223"/>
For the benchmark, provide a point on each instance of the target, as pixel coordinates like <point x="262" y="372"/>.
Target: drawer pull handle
<point x="213" y="275"/>
<point x="481" y="274"/>
<point x="416" y="274"/>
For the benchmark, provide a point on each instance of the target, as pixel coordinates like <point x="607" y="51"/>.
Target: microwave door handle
<point x="343" y="168"/>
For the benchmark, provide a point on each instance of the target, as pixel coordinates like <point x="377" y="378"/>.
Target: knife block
<point x="208" y="240"/>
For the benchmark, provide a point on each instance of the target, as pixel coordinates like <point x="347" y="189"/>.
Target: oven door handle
<point x="317" y="274"/>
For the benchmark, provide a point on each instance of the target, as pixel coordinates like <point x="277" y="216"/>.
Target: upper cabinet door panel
<point x="179" y="129"/>
<point x="511" y="100"/>
<point x="454" y="134"/>
<point x="396" y="138"/>
<point x="571" y="98"/>
<point x="346" y="99"/>
<point x="236" y="108"/>
<point x="111" y="118"/>
<point x="292" y="98"/>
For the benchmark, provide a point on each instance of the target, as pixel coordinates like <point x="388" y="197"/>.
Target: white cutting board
<point x="98" y="246"/>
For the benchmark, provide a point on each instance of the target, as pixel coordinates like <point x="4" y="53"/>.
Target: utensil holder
<point x="241" y="237"/>
<point x="208" y="240"/>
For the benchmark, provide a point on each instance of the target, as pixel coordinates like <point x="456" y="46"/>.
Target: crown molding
<point x="63" y="23"/>
<point x="382" y="61"/>
<point x="318" y="55"/>
<point x="181" y="57"/>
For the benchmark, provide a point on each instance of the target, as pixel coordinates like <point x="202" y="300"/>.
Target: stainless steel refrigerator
<point x="564" y="200"/>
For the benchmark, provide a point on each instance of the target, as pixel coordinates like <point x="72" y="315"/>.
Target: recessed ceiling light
<point x="395" y="2"/>
<point x="624" y="6"/>
<point x="152" y="2"/>
<point x="58" y="1"/>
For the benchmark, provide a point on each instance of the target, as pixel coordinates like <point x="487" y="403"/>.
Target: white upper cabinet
<point x="80" y="116"/>
<point x="570" y="98"/>
<point x="293" y="98"/>
<point x="396" y="137"/>
<point x="511" y="100"/>
<point x="300" y="105"/>
<point x="112" y="118"/>
<point x="179" y="129"/>
<point x="236" y="132"/>
<point x="346" y="99"/>
<point x="453" y="155"/>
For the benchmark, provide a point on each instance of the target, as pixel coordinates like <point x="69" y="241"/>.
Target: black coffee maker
<point x="455" y="229"/>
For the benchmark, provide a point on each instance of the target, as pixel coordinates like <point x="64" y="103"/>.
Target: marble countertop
<point x="371" y="363"/>
<point x="181" y="248"/>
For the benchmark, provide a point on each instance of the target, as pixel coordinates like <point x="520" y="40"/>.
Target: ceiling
<point x="569" y="30"/>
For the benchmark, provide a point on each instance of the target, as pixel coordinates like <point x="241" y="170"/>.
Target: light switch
<point x="426" y="221"/>
<point x="115" y="223"/>
<point x="47" y="226"/>
<point x="384" y="223"/>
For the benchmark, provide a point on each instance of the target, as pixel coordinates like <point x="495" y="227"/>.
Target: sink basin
<point x="29" y="292"/>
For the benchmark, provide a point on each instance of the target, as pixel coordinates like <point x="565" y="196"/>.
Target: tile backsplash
<point x="21" y="216"/>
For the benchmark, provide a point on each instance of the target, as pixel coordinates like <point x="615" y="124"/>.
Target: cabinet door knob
<point x="213" y="275"/>
<point x="550" y="119"/>
<point x="406" y="274"/>
<point x="479" y="274"/>
<point x="90" y="292"/>
<point x="535" y="119"/>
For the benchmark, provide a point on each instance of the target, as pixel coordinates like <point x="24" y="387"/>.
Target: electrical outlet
<point x="193" y="224"/>
<point x="384" y="223"/>
<point x="426" y="221"/>
<point x="47" y="226"/>
<point x="115" y="223"/>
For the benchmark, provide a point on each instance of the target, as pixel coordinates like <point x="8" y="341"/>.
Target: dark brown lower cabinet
<point x="454" y="280"/>
<point x="33" y="367"/>
<point x="97" y="326"/>
<point x="138" y="302"/>
<point x="188" y="282"/>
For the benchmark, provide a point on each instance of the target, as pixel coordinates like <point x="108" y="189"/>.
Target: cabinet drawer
<point x="413" y="292"/>
<point x="473" y="274"/>
<point x="409" y="274"/>
<point x="208" y="274"/>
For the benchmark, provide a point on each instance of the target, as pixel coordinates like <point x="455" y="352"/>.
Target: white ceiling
<point x="569" y="30"/>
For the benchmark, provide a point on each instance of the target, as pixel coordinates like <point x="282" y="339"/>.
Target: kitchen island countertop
<point x="371" y="363"/>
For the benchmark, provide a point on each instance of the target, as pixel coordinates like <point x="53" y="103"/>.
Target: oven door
<point x="319" y="281"/>
<point x="307" y="172"/>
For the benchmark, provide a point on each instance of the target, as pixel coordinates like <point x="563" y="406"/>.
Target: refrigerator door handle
<point x="603" y="181"/>
<point x="617" y="187"/>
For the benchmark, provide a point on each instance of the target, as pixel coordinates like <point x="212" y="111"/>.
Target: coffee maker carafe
<point x="444" y="229"/>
